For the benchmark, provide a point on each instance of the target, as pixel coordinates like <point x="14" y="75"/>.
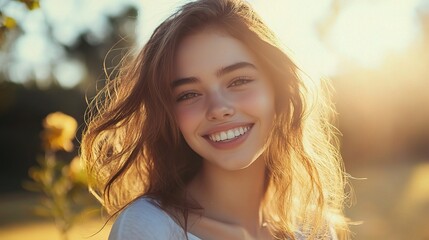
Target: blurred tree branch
<point x="86" y="48"/>
<point x="8" y="23"/>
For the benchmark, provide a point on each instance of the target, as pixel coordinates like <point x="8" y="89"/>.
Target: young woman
<point x="210" y="132"/>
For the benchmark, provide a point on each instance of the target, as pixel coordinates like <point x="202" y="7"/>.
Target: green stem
<point x="59" y="201"/>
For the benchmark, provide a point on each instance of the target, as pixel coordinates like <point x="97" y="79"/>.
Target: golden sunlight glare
<point x="366" y="31"/>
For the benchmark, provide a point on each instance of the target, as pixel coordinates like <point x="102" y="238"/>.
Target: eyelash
<point x="241" y="80"/>
<point x="185" y="96"/>
<point x="235" y="83"/>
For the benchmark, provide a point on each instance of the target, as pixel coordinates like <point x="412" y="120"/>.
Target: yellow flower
<point x="31" y="4"/>
<point x="9" y="22"/>
<point x="77" y="171"/>
<point x="60" y="129"/>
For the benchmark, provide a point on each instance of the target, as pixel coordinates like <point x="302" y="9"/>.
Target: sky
<point x="363" y="32"/>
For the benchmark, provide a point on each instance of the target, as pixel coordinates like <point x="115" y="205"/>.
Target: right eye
<point x="187" y="96"/>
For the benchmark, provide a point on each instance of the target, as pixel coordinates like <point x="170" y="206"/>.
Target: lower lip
<point x="225" y="145"/>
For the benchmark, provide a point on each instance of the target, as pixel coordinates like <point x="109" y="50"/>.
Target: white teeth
<point x="229" y="134"/>
<point x="236" y="132"/>
<point x="223" y="136"/>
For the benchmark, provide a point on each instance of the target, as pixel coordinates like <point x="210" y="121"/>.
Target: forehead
<point x="208" y="51"/>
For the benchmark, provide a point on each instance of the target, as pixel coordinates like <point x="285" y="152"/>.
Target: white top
<point x="143" y="220"/>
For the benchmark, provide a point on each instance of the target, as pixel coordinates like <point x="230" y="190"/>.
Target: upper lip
<point x="225" y="127"/>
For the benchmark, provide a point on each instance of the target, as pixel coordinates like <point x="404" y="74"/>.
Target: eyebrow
<point x="182" y="81"/>
<point x="234" y="67"/>
<point x="225" y="70"/>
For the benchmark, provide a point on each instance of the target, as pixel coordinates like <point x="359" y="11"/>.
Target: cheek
<point x="188" y="119"/>
<point x="260" y="102"/>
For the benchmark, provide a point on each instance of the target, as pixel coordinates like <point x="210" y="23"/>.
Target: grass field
<point x="17" y="222"/>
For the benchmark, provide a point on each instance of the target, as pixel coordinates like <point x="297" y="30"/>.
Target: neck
<point x="231" y="197"/>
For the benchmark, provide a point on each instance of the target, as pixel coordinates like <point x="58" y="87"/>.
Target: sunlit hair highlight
<point x="132" y="145"/>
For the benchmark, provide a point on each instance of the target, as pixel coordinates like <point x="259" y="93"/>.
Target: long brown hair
<point x="133" y="147"/>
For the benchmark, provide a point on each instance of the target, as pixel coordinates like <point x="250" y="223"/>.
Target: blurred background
<point x="53" y="57"/>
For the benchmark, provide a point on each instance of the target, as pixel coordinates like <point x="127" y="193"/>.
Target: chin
<point x="232" y="164"/>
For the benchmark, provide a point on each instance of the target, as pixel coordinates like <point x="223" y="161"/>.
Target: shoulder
<point x="143" y="219"/>
<point x="328" y="234"/>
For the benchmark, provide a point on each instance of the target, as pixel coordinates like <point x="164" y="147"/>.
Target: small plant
<point x="63" y="183"/>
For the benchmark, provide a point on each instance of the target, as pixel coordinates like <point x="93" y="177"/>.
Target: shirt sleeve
<point x="142" y="220"/>
<point x="329" y="234"/>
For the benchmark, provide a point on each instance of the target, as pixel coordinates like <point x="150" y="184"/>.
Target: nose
<point x="219" y="108"/>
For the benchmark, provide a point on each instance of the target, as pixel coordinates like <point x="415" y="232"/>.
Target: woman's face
<point x="224" y="103"/>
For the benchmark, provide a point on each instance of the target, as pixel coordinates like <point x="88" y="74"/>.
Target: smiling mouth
<point x="228" y="135"/>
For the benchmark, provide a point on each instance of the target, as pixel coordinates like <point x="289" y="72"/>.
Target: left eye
<point x="240" y="81"/>
<point x="187" y="96"/>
